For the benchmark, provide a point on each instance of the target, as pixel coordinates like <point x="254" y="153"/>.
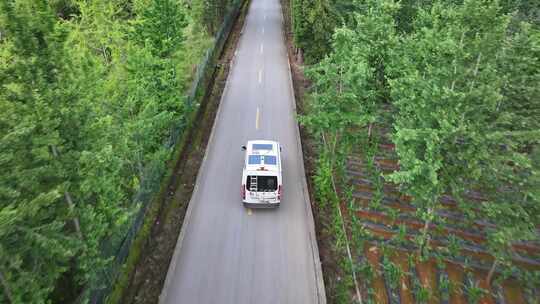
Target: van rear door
<point x="262" y="187"/>
<point x="262" y="183"/>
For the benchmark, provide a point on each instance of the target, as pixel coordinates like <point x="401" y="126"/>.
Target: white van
<point x="261" y="178"/>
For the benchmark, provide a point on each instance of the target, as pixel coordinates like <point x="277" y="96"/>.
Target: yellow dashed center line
<point x="257" y="117"/>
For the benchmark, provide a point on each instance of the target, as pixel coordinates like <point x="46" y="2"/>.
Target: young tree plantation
<point x="453" y="88"/>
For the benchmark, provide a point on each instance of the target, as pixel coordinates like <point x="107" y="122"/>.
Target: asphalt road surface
<point x="227" y="253"/>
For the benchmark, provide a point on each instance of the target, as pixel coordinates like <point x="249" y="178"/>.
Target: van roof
<point x="262" y="155"/>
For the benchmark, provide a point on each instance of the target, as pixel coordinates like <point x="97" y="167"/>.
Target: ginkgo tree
<point x="453" y="99"/>
<point x="512" y="177"/>
<point x="348" y="91"/>
<point x="444" y="85"/>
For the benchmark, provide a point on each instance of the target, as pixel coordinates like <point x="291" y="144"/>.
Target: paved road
<point x="227" y="253"/>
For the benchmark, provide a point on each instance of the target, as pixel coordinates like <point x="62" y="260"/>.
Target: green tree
<point x="445" y="88"/>
<point x="313" y="26"/>
<point x="349" y="84"/>
<point x="511" y="178"/>
<point x="39" y="234"/>
<point x="210" y="13"/>
<point x="90" y="91"/>
<point x="160" y="23"/>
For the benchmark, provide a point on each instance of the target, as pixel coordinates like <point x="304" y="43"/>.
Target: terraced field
<point x="457" y="271"/>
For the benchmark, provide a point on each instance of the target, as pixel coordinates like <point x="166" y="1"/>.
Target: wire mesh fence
<point x="119" y="245"/>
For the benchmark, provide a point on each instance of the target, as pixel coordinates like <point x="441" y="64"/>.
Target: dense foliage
<point x="454" y="85"/>
<point x="89" y="94"/>
<point x="210" y="13"/>
<point x="314" y="21"/>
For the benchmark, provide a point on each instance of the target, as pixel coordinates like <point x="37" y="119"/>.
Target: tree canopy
<point x="90" y="93"/>
<point x="454" y="86"/>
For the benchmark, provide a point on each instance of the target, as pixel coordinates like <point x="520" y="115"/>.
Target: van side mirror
<point x="244" y="148"/>
<point x="280" y="148"/>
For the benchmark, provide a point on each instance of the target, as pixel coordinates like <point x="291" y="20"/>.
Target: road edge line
<point x="187" y="216"/>
<point x="321" y="291"/>
<point x="319" y="278"/>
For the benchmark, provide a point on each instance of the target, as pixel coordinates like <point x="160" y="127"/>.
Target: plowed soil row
<point x="450" y="279"/>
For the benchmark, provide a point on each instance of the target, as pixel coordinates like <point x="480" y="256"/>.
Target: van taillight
<point x="243" y="191"/>
<point x="279" y="192"/>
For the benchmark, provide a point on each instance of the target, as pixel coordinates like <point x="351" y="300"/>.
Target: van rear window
<point x="262" y="183"/>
